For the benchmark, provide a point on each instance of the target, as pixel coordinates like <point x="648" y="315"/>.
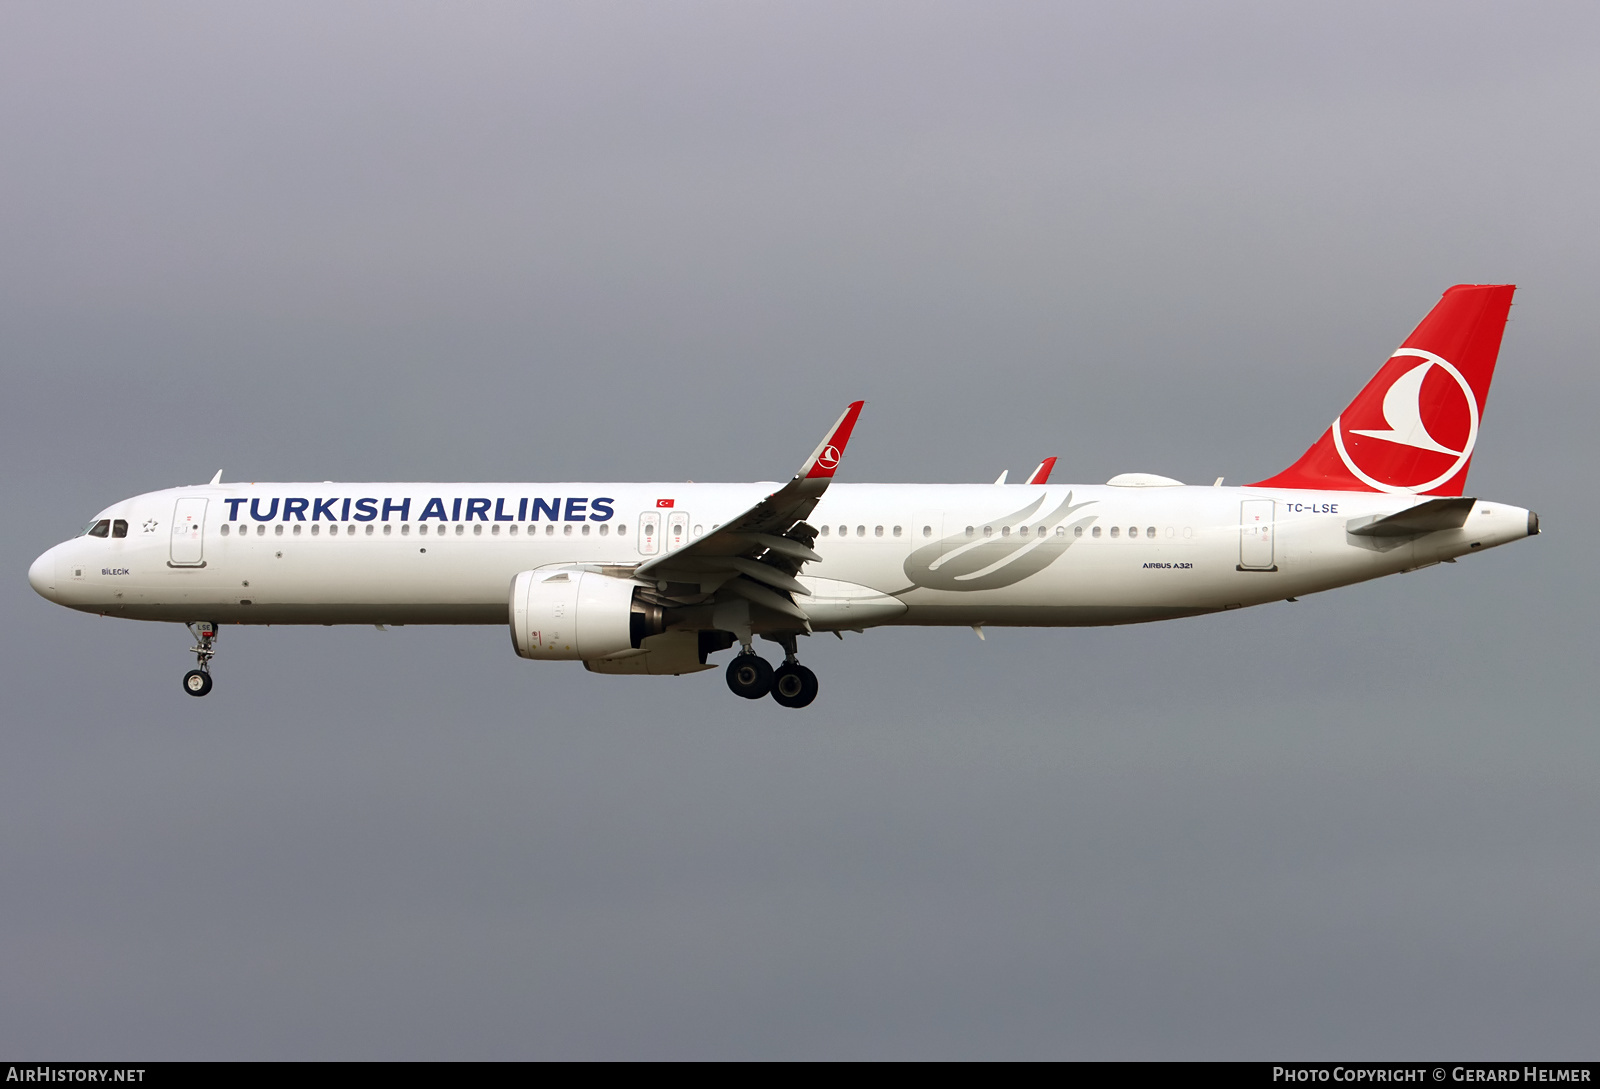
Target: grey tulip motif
<point x="958" y="562"/>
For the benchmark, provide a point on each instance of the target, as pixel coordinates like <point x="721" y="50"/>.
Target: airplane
<point x="653" y="578"/>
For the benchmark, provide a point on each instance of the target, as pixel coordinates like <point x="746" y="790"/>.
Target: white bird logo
<point x="1402" y="411"/>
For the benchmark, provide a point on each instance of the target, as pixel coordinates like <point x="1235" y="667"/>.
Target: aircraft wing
<point x="756" y="554"/>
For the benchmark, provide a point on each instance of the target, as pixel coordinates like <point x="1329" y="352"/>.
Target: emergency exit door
<point x="649" y="533"/>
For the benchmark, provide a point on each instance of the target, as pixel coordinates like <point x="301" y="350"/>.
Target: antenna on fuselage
<point x="218" y="478"/>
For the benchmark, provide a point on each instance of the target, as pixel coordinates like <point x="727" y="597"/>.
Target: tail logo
<point x="829" y="458"/>
<point x="1402" y="413"/>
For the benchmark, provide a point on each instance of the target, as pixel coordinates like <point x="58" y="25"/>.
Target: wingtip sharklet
<point x="824" y="460"/>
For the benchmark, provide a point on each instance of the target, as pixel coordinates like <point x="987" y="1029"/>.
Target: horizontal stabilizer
<point x="1429" y="517"/>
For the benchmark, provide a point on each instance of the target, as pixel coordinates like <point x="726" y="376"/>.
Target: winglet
<point x="1041" y="475"/>
<point x="218" y="478"/>
<point x="825" y="458"/>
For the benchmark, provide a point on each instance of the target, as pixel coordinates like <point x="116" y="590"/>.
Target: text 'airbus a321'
<point x="653" y="578"/>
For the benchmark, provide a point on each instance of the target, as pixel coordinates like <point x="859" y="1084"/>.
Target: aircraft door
<point x="677" y="530"/>
<point x="188" y="533"/>
<point x="1255" y="535"/>
<point x="649" y="533"/>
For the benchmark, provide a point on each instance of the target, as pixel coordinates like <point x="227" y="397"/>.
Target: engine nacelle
<point x="563" y="613"/>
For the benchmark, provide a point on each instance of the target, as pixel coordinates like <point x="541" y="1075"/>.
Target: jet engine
<point x="566" y="613"/>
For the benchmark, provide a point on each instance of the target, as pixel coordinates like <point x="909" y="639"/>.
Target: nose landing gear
<point x="197" y="682"/>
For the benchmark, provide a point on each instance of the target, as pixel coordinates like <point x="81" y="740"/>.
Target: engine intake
<point x="566" y="614"/>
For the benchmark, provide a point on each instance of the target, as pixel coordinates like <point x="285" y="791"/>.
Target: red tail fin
<point x="1413" y="428"/>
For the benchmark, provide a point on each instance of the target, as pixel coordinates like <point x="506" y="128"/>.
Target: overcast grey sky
<point x="628" y="241"/>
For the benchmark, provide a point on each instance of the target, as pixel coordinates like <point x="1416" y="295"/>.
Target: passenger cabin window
<point x="824" y="531"/>
<point x="102" y="528"/>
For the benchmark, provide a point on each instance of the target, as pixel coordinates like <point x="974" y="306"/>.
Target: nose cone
<point x="42" y="575"/>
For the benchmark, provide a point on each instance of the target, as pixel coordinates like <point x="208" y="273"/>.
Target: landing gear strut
<point x="197" y="682"/>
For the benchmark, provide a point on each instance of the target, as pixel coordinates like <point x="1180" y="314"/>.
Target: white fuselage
<point x="903" y="553"/>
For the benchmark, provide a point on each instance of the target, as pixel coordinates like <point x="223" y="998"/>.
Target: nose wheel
<point x="197" y="682"/>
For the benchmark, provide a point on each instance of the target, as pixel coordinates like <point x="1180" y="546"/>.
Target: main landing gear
<point x="791" y="684"/>
<point x="197" y="682"/>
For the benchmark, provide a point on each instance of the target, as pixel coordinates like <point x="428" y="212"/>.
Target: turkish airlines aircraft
<point x="653" y="578"/>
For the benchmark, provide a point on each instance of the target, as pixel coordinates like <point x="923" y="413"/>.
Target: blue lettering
<point x="500" y="514"/>
<point x="602" y="509"/>
<point x="344" y="511"/>
<point x="323" y="506"/>
<point x="575" y="511"/>
<point x="366" y="510"/>
<point x="296" y="507"/>
<point x="552" y="509"/>
<point x="480" y="507"/>
<point x="522" y="509"/>
<point x="233" y="509"/>
<point x="455" y="510"/>
<point x="404" y="509"/>
<point x="255" y="510"/>
<point x="434" y="509"/>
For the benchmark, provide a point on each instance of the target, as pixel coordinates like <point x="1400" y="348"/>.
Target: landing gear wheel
<point x="749" y="676"/>
<point x="197" y="682"/>
<point x="793" y="685"/>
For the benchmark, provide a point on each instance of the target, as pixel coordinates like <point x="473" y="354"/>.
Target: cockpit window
<point x="101" y="528"/>
<point x="119" y="527"/>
